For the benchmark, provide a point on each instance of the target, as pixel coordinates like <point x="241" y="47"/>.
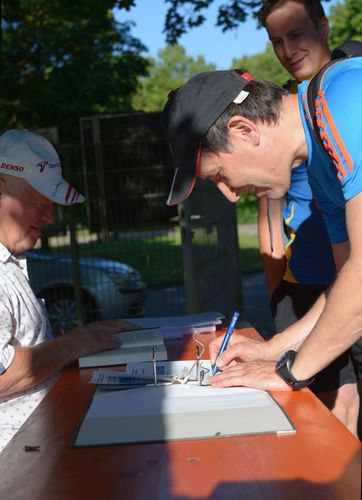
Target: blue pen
<point x="226" y="340"/>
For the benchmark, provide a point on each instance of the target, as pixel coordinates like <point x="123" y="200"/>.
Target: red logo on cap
<point x="42" y="165"/>
<point x="247" y="76"/>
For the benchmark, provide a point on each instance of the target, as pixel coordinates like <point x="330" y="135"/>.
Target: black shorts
<point x="289" y="302"/>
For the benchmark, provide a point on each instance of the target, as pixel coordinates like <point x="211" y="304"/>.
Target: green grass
<point x="247" y="208"/>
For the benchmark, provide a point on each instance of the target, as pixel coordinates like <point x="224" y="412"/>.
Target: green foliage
<point x="63" y="59"/>
<point x="263" y="66"/>
<point x="186" y="14"/>
<point x="172" y="68"/>
<point x="247" y="208"/>
<point x="346" y="21"/>
<point x="183" y="15"/>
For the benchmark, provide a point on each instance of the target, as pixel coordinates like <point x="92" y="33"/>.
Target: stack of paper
<point x="176" y="326"/>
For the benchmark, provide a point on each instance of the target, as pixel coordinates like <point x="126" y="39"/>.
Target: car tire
<point x="62" y="311"/>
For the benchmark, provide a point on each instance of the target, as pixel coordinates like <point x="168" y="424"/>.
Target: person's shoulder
<point x="290" y="85"/>
<point x="347" y="71"/>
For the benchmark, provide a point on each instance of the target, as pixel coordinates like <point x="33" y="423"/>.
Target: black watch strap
<point x="283" y="369"/>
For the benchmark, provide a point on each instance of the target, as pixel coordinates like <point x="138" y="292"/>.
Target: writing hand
<point x="255" y="374"/>
<point x="240" y="348"/>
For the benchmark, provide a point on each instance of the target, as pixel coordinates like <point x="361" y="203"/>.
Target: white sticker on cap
<point x="241" y="97"/>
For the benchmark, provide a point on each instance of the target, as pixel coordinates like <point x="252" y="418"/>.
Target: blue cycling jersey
<point x="336" y="178"/>
<point x="308" y="251"/>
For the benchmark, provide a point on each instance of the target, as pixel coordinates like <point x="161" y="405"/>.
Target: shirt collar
<point x="6" y="256"/>
<point x="4" y="253"/>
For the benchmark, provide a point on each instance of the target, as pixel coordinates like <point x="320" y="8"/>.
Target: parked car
<point x="110" y="289"/>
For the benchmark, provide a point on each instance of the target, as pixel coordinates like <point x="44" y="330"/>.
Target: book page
<point x="139" y="338"/>
<point x="137" y="345"/>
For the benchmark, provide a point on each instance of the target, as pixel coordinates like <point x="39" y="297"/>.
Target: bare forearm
<point x="339" y="326"/>
<point x="294" y="336"/>
<point x="271" y="244"/>
<point x="34" y="364"/>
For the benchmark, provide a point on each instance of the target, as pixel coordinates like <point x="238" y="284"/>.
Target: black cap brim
<point x="184" y="178"/>
<point x="187" y="116"/>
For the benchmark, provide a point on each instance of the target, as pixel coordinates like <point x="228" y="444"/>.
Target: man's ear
<point x="324" y="27"/>
<point x="244" y="129"/>
<point x="2" y="186"/>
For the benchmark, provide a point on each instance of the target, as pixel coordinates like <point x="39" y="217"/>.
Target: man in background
<point x="300" y="272"/>
<point x="30" y="358"/>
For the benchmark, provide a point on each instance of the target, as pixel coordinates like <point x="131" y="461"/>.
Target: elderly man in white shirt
<point x="30" y="358"/>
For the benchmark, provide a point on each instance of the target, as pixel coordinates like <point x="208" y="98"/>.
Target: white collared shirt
<point x="23" y="322"/>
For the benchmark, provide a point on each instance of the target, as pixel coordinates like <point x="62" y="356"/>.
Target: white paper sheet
<point x="172" y="399"/>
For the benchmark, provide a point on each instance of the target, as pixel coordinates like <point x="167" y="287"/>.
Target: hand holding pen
<point x="225" y="341"/>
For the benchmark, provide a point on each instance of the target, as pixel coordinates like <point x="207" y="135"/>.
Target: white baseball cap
<point x="33" y="158"/>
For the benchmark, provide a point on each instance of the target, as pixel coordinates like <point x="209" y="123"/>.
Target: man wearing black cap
<point x="247" y="135"/>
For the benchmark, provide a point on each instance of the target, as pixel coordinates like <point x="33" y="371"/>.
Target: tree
<point x="346" y="21"/>
<point x="63" y="59"/>
<point x="263" y="66"/>
<point x="171" y="70"/>
<point x="184" y="15"/>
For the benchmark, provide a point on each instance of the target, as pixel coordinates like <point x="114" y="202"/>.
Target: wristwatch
<point x="283" y="369"/>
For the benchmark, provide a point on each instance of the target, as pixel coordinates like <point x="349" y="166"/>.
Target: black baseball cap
<point x="187" y="116"/>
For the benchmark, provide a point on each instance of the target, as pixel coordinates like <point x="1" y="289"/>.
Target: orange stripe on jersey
<point x="328" y="145"/>
<point x="322" y="109"/>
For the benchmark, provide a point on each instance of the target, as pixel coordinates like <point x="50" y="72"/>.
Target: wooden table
<point x="321" y="461"/>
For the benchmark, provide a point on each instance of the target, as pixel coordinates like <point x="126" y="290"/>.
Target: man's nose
<point x="48" y="216"/>
<point x="227" y="192"/>
<point x="288" y="49"/>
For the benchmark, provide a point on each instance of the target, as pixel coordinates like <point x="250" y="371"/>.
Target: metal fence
<point x="105" y="258"/>
<point x="121" y="253"/>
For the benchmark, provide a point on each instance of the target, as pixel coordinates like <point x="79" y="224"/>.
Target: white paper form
<point x="174" y="399"/>
<point x="138" y="372"/>
<point x="173" y="368"/>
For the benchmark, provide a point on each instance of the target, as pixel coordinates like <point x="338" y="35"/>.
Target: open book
<point x="136" y="345"/>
